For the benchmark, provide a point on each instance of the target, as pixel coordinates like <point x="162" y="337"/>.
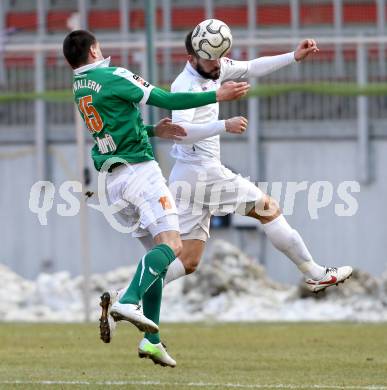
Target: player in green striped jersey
<point x="107" y="98"/>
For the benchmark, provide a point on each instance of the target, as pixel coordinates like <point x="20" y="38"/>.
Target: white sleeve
<point x="196" y="132"/>
<point x="264" y="65"/>
<point x="231" y="69"/>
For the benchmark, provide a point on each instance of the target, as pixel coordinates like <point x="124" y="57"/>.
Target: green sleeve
<point x="150" y="129"/>
<point x="129" y="86"/>
<point x="180" y="100"/>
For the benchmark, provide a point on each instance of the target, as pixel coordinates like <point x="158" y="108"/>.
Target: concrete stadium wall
<point x="360" y="240"/>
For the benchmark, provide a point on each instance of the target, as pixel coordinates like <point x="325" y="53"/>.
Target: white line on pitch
<point x="196" y="384"/>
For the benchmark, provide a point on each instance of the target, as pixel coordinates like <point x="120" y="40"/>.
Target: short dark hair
<point x="188" y="44"/>
<point x="76" y="47"/>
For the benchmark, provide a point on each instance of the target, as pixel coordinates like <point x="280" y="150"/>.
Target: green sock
<point x="151" y="303"/>
<point x="150" y="268"/>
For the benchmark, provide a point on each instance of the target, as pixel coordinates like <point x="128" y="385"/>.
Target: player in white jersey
<point x="203" y="186"/>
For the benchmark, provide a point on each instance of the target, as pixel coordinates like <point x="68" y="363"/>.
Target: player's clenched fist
<point x="236" y="125"/>
<point x="231" y="90"/>
<point x="304" y="48"/>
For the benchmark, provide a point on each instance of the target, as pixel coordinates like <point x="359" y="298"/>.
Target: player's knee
<point x="172" y="239"/>
<point x="271" y="208"/>
<point x="191" y="267"/>
<point x="190" y="263"/>
<point x="266" y="210"/>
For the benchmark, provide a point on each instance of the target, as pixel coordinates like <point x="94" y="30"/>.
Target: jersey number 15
<point x="90" y="114"/>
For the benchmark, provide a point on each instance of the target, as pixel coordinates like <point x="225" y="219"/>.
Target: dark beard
<point x="212" y="76"/>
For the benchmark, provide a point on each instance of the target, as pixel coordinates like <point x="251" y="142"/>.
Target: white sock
<point x="121" y="292"/>
<point x="290" y="243"/>
<point x="175" y="271"/>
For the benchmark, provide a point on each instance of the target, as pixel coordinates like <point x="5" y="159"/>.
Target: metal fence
<point x="330" y="22"/>
<point x="358" y="57"/>
<point x="43" y="69"/>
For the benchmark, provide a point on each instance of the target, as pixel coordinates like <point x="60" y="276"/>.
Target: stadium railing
<point x="318" y="89"/>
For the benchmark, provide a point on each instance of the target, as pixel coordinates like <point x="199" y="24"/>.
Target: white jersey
<point x="198" y="155"/>
<point x="206" y="150"/>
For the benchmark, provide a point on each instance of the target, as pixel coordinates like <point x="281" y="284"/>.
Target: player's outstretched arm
<point x="262" y="66"/>
<point x="184" y="100"/>
<point x="265" y="65"/>
<point x="196" y="132"/>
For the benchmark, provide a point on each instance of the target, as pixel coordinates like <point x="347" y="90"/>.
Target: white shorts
<point x="140" y="193"/>
<point x="204" y="190"/>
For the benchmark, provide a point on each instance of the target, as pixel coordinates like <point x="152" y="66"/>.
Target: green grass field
<point x="209" y="356"/>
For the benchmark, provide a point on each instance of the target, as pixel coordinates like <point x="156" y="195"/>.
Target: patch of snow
<point x="227" y="287"/>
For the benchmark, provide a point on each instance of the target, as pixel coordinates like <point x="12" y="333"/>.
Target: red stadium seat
<point x="313" y="14"/>
<point x="22" y="20"/>
<point x="236" y="16"/>
<point x="57" y="20"/>
<point x="270" y="15"/>
<point x="103" y="19"/>
<point x="186" y="17"/>
<point x="359" y="13"/>
<point x="137" y="19"/>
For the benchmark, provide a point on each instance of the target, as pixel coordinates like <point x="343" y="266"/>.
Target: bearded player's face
<point x="209" y="69"/>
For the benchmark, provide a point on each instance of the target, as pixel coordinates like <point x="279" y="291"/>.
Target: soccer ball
<point x="211" y="39"/>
